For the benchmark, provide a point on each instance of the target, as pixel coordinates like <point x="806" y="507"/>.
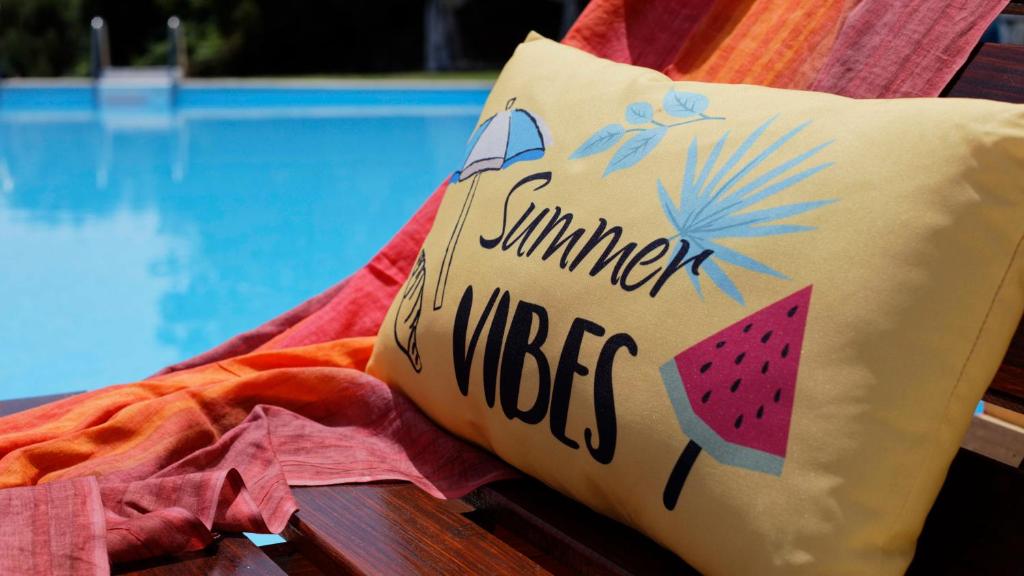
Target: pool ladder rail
<point x="137" y="88"/>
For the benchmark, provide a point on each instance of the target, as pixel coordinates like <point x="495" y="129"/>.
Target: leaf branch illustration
<point x="723" y="200"/>
<point x="648" y="131"/>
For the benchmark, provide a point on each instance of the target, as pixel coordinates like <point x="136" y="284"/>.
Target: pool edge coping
<point x="263" y="83"/>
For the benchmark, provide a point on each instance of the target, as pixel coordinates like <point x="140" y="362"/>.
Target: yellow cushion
<point x="752" y="323"/>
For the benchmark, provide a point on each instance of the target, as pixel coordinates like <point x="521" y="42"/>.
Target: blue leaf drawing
<point x="694" y="279"/>
<point x="721" y="202"/>
<point x="730" y="256"/>
<point x="689" y="193"/>
<point x="604" y="139"/>
<point x="639" y="113"/>
<point x="683" y="104"/>
<point x="666" y="204"/>
<point x="634" y="149"/>
<point x="722" y="280"/>
<point x="733" y="159"/>
<point x="648" y="132"/>
<point x="712" y="160"/>
<point x="755" y="231"/>
<point x="780" y="212"/>
<point x="717" y="275"/>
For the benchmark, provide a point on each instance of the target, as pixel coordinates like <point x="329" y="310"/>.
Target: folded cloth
<point x="212" y="449"/>
<point x="53" y="529"/>
<point x="209" y="444"/>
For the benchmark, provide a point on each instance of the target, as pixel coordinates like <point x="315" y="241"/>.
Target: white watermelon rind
<point x="709" y="441"/>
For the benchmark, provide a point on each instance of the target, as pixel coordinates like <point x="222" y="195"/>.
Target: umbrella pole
<point x="679" y="473"/>
<point x="449" y="251"/>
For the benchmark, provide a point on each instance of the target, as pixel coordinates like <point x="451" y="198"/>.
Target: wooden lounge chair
<point x="523" y="527"/>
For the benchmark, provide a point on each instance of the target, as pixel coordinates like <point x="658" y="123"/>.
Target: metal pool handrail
<point x="134" y="85"/>
<point x="99" y="47"/>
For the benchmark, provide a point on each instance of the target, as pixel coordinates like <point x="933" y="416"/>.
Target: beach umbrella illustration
<point x="513" y="135"/>
<point x="733" y="391"/>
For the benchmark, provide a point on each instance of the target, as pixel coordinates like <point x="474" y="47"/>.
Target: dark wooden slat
<point x="1015" y="354"/>
<point x="8" y="407"/>
<point x="229" y="556"/>
<point x="977" y="523"/>
<point x="293" y="563"/>
<point x="1007" y="388"/>
<point x="1014" y="7"/>
<point x="396" y="529"/>
<point x="516" y="540"/>
<point x="975" y="526"/>
<point x="995" y="72"/>
<point x="572" y="533"/>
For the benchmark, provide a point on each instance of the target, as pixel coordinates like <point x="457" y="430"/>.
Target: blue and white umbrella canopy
<point x="513" y="135"/>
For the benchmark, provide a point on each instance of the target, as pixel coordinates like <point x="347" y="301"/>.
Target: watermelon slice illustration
<point x="733" y="392"/>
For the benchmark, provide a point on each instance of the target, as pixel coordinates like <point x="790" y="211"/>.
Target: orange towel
<point x="158" y="421"/>
<point x="159" y="466"/>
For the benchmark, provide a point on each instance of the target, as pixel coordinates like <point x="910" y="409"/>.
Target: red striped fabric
<point x="53" y="529"/>
<point x="857" y="48"/>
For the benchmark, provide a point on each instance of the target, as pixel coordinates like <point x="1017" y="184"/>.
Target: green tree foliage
<point x="225" y="37"/>
<point x="259" y="37"/>
<point x="43" y="38"/>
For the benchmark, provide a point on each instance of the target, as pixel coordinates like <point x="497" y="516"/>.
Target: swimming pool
<point x="133" y="236"/>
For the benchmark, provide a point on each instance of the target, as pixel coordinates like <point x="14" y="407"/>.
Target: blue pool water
<point x="132" y="237"/>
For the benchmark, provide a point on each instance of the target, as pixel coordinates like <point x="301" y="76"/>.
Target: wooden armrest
<point x="523" y="527"/>
<point x="570" y="532"/>
<point x="396" y="529"/>
<point x="231" y="555"/>
<point x="975" y="526"/>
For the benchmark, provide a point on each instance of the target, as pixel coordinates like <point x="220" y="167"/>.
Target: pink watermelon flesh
<point x="740" y="383"/>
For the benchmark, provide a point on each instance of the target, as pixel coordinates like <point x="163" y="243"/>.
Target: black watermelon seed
<point x="764" y="367"/>
<point x="785" y="350"/>
<point x="720" y="344"/>
<point x="739" y="359"/>
<point x="760" y="411"/>
<point x="705" y="367"/>
<point x="707" y="396"/>
<point x="792" y="311"/>
<point x="778" y="394"/>
<point x="747" y="328"/>
<point x="767" y="336"/>
<point x="735" y="385"/>
<point x="738" y="422"/>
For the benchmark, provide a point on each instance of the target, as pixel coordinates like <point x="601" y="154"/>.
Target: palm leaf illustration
<point x="718" y="202"/>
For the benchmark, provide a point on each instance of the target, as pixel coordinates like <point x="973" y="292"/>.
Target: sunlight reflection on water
<point x="128" y="242"/>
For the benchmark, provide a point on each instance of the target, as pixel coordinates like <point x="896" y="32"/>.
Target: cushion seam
<point x="933" y="451"/>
